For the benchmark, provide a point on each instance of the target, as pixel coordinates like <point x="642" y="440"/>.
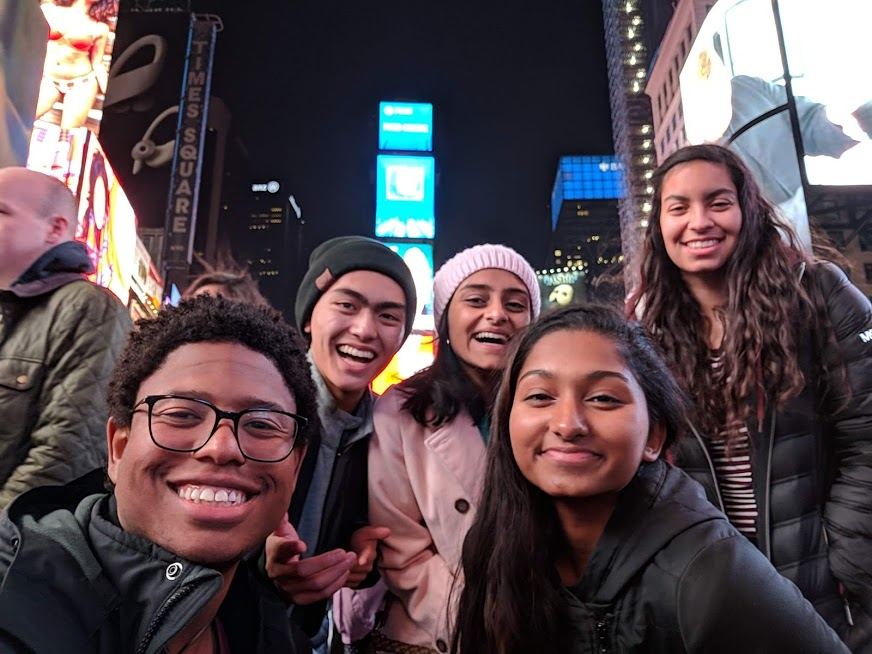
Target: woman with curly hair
<point x="585" y="539"/>
<point x="773" y="345"/>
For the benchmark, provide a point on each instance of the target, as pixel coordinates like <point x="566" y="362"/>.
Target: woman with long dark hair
<point x="774" y="346"/>
<point x="585" y="540"/>
<point x="426" y="457"/>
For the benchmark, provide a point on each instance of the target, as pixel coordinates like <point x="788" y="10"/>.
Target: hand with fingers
<point x="364" y="543"/>
<point x="305" y="581"/>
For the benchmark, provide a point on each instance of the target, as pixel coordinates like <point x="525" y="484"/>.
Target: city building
<point x="632" y="128"/>
<point x="585" y="221"/>
<point x="663" y="86"/>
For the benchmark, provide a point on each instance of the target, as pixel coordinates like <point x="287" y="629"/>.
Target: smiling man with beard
<point x="355" y="305"/>
<point x="210" y="407"/>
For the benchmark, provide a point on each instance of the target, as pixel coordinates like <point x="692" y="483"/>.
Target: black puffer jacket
<point x="671" y="574"/>
<point x="812" y="467"/>
<point x="71" y="580"/>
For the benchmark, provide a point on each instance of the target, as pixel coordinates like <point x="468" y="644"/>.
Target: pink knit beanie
<point x="479" y="257"/>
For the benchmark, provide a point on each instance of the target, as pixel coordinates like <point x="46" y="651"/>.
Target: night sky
<point x="513" y="88"/>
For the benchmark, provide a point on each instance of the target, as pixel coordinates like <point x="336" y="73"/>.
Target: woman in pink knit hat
<point x="426" y="458"/>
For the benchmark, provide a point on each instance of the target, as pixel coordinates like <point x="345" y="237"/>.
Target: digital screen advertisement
<point x="404" y="197"/>
<point x="406" y="126"/>
<point x="74" y="80"/>
<point x="734" y="74"/>
<point x="419" y="258"/>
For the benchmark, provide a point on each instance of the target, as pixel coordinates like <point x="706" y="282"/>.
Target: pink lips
<point x="570" y="455"/>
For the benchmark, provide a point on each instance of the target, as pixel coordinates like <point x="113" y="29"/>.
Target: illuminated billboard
<point x="74" y="80"/>
<point x="416" y="354"/>
<point x="586" y="177"/>
<point x="419" y="259"/>
<point x="404" y="206"/>
<point x="561" y="288"/>
<point x="406" y="126"/>
<point x="734" y="75"/>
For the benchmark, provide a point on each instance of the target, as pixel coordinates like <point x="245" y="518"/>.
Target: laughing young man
<point x="208" y="425"/>
<point x="356" y="305"/>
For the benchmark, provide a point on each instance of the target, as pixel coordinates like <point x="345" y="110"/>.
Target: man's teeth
<point x="228" y="496"/>
<point x="698" y="245"/>
<point x="491" y="337"/>
<point x="354" y="352"/>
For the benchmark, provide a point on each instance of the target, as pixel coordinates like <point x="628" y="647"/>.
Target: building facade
<point x="632" y="126"/>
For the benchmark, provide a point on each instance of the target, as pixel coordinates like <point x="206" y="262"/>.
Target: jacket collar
<point x="62" y="264"/>
<point x="100" y="569"/>
<point x="660" y="503"/>
<point x="457" y="443"/>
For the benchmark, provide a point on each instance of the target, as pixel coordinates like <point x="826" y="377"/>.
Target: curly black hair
<point x="210" y="319"/>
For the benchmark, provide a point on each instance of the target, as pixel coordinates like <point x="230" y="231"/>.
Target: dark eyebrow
<point x="363" y="300"/>
<point x="596" y="375"/>
<point x="489" y="289"/>
<point x="708" y="196"/>
<point x="249" y="402"/>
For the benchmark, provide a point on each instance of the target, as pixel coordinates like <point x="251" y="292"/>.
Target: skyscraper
<point x="633" y="133"/>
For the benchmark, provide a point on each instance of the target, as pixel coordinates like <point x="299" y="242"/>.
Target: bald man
<point x="59" y="338"/>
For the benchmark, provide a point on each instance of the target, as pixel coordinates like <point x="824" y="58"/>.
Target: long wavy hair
<point x="765" y="302"/>
<point x="512" y="602"/>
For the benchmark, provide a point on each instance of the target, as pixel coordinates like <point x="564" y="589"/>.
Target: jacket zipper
<point x="711" y="466"/>
<point x="174" y="599"/>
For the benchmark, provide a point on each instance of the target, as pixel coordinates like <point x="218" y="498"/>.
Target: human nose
<point x="698" y="218"/>
<point x="496" y="312"/>
<point x="222" y="447"/>
<point x="363" y="325"/>
<point x="567" y="419"/>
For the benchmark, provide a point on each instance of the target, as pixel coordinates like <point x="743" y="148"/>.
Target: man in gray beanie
<point x="355" y="305"/>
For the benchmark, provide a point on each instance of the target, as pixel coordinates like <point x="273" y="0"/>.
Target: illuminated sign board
<point x="406" y="126"/>
<point x="561" y="289"/>
<point x="734" y="75"/>
<point x="271" y="186"/>
<point x="404" y="206"/>
<point x="419" y="259"/>
<point x="586" y="177"/>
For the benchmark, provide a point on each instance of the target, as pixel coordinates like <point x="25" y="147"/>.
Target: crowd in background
<point x="688" y="472"/>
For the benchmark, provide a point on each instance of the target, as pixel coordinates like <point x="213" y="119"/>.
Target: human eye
<point x="179" y="412"/>
<point x="605" y="399"/>
<point x="390" y="317"/>
<point x="537" y="397"/>
<point x="475" y="301"/>
<point x="722" y="204"/>
<point x="676" y="208"/>
<point x="345" y="306"/>
<point x="265" y="424"/>
<point x="516" y="306"/>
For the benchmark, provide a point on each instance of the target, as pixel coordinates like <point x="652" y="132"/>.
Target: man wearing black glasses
<point x="210" y="406"/>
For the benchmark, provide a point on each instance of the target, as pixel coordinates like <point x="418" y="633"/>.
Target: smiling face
<point x="357" y="325"/>
<point x="700" y="217"/>
<point x="175" y="499"/>
<point x="485" y="312"/>
<point x="579" y="424"/>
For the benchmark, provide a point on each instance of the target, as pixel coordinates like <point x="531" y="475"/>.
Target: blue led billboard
<point x="406" y="126"/>
<point x="419" y="258"/>
<point x="404" y="206"/>
<point x="586" y="177"/>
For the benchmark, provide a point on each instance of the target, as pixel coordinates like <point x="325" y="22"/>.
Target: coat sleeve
<point x="848" y="512"/>
<point x="731" y="599"/>
<point x="69" y="436"/>
<point x="410" y="565"/>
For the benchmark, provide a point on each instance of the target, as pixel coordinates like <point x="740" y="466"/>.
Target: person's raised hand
<point x="364" y="543"/>
<point x="304" y="581"/>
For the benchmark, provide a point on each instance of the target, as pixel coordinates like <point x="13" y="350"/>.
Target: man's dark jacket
<point x="812" y="464"/>
<point x="71" y="580"/>
<point x="60" y="336"/>
<point x="670" y="574"/>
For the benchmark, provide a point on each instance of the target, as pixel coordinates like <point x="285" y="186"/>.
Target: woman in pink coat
<point x="426" y="458"/>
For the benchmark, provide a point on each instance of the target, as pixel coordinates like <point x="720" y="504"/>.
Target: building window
<point x="865" y="238"/>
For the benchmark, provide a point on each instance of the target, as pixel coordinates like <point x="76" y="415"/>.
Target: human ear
<point x="58" y="229"/>
<point x="116" y="442"/>
<point x="654" y="445"/>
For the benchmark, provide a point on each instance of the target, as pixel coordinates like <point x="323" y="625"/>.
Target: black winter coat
<point x="72" y="581"/>
<point x="670" y="574"/>
<point x="812" y="466"/>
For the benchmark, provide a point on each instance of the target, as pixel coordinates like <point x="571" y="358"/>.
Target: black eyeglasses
<point x="185" y="424"/>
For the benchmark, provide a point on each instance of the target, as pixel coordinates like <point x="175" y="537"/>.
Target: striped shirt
<point x="733" y="471"/>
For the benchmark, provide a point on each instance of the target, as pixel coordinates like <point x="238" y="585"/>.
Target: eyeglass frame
<point x="220" y="414"/>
